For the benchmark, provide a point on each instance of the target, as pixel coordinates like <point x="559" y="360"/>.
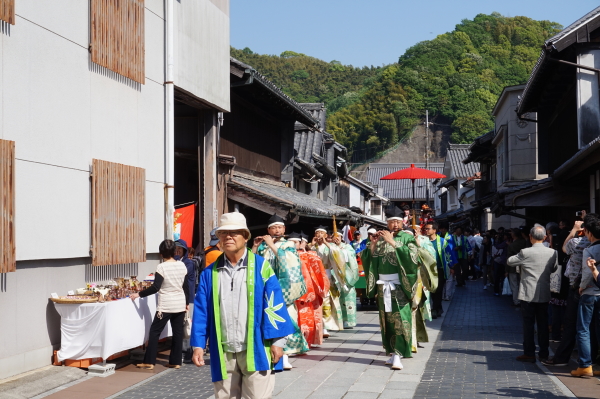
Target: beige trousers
<point x="242" y="384"/>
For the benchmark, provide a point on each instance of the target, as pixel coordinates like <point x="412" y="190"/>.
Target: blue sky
<point x="374" y="32"/>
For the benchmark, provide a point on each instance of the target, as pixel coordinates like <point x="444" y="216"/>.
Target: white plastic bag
<point x="506" y="287"/>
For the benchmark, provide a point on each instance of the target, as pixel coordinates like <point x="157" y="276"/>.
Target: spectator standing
<point x="461" y="246"/>
<point x="499" y="252"/>
<point x="485" y="256"/>
<point x="573" y="246"/>
<point x="536" y="264"/>
<point x="514" y="248"/>
<point x="181" y="254"/>
<point x="589" y="302"/>
<point x="213" y="251"/>
<point x="171" y="284"/>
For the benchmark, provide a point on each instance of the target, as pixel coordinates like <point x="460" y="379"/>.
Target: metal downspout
<point x="169" y="121"/>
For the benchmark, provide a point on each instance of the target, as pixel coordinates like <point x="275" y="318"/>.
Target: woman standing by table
<point x="173" y="297"/>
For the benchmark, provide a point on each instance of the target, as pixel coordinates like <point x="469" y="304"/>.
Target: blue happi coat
<point x="267" y="317"/>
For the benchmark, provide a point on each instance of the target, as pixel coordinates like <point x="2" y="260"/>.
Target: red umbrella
<point x="413" y="173"/>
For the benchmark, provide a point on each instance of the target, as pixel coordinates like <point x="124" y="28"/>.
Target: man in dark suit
<point x="536" y="265"/>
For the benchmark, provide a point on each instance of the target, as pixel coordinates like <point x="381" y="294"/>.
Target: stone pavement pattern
<point x="474" y="357"/>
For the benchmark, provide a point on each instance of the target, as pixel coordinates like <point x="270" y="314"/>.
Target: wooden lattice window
<point x="7" y="11"/>
<point x="8" y="259"/>
<point x="118" y="213"/>
<point x="117" y="32"/>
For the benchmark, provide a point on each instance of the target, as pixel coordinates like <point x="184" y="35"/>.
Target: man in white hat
<point x="239" y="306"/>
<point x="282" y="254"/>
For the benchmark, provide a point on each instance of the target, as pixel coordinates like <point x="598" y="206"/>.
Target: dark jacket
<point x="513" y="249"/>
<point x="189" y="264"/>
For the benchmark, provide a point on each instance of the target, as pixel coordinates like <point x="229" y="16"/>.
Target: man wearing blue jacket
<point x="239" y="306"/>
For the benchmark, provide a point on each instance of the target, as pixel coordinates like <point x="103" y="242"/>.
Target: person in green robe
<point x="348" y="294"/>
<point x="284" y="259"/>
<point x="393" y="263"/>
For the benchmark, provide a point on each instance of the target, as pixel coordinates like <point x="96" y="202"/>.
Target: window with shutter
<point x="8" y="260"/>
<point x="118" y="214"/>
<point x="117" y="37"/>
<point x="7" y="11"/>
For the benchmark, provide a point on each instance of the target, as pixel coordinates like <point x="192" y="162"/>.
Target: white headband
<point x="294" y="239"/>
<point x="323" y="230"/>
<point x="304" y="239"/>
<point x="394" y="218"/>
<point x="275" y="224"/>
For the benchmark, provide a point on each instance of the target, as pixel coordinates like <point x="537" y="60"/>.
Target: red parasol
<point x="413" y="174"/>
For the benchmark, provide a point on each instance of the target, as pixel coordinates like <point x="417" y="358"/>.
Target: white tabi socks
<point x="390" y="361"/>
<point x="396" y="363"/>
<point x="286" y="363"/>
<point x="325" y="333"/>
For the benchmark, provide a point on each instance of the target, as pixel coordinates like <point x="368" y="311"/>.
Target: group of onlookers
<point x="550" y="272"/>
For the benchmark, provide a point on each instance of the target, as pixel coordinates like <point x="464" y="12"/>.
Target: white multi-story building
<point x="136" y="84"/>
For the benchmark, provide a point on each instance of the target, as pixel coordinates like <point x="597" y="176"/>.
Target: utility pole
<point x="427" y="154"/>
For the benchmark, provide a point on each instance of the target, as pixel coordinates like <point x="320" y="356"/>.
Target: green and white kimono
<point x="348" y="293"/>
<point x="393" y="272"/>
<point x="288" y="269"/>
<point x="427" y="280"/>
<point x="334" y="262"/>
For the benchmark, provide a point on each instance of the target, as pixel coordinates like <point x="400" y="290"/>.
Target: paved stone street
<point x="471" y="355"/>
<point x="474" y="357"/>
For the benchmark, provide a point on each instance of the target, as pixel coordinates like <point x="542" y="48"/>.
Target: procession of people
<point x="258" y="305"/>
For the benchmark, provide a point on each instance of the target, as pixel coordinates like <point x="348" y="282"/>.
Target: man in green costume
<point x="393" y="262"/>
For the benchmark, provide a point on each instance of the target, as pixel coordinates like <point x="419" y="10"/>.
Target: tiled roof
<point x="573" y="27"/>
<point x="306" y="143"/>
<point x="524" y="187"/>
<point x="550" y="45"/>
<point x="400" y="190"/>
<point x="301" y="114"/>
<point x="578" y="157"/>
<point x="455" y="156"/>
<point x="298" y="203"/>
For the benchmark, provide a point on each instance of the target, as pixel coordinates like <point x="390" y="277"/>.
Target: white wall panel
<point x="46" y="97"/>
<point x="202" y="51"/>
<point x="52" y="212"/>
<point x="67" y="18"/>
<point x="155" y="219"/>
<point x="113" y="121"/>
<point x="151" y="132"/>
<point x="156" y="6"/>
<point x="155" y="50"/>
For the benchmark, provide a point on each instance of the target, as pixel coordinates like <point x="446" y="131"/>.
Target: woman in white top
<point x="173" y="297"/>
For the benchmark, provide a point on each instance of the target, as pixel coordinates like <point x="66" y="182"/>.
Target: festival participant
<point x="310" y="305"/>
<point x="444" y="257"/>
<point x="393" y="264"/>
<point x="239" y="306"/>
<point x="335" y="265"/>
<point x="461" y="248"/>
<point x="282" y="255"/>
<point x="348" y="295"/>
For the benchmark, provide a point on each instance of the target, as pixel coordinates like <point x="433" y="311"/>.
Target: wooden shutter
<point x="117" y="32"/>
<point x="7" y="11"/>
<point x="8" y="259"/>
<point x="118" y="214"/>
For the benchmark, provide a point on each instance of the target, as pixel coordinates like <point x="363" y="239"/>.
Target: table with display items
<point x="96" y="331"/>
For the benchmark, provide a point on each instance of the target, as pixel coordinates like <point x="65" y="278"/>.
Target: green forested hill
<point x="458" y="76"/>
<point x="308" y="79"/>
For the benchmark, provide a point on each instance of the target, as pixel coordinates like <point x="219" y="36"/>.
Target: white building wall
<point x="355" y="196"/>
<point x="202" y="49"/>
<point x="62" y="111"/>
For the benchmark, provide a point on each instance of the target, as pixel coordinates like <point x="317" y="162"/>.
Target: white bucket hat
<point x="233" y="221"/>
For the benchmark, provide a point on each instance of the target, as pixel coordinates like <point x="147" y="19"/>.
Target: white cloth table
<point x="91" y="330"/>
